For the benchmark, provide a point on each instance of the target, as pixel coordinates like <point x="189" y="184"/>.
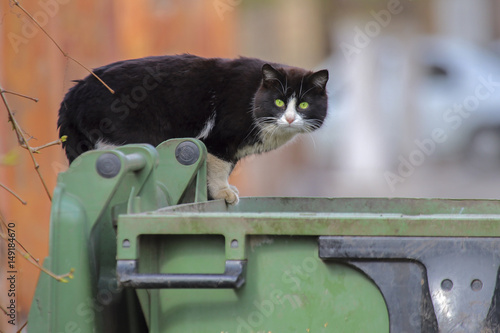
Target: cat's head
<point x="290" y="100"/>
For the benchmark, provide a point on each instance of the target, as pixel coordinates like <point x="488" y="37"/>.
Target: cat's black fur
<point x="158" y="98"/>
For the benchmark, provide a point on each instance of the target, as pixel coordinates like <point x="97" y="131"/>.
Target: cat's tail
<point x="76" y="142"/>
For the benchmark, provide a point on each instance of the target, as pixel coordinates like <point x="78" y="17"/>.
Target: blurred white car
<point x="459" y="91"/>
<point x="417" y="88"/>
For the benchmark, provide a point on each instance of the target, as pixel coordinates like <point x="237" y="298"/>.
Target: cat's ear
<point x="269" y="73"/>
<point x="319" y="78"/>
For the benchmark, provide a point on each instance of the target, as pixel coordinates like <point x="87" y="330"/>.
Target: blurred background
<point x="414" y="94"/>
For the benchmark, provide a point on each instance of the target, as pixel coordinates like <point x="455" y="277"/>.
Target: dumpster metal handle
<point x="233" y="277"/>
<point x="108" y="165"/>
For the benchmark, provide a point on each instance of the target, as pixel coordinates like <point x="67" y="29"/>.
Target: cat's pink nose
<point x="290" y="118"/>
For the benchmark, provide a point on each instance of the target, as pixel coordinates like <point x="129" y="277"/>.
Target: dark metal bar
<point x="233" y="277"/>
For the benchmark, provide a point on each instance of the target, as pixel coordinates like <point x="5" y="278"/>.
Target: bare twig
<point x="13" y="193"/>
<point x="19" y="331"/>
<point x="64" y="53"/>
<point x="23" y="141"/>
<point x="15" y="125"/>
<point x="60" y="278"/>
<point x="4" y="225"/>
<point x="32" y="260"/>
<point x="21" y="95"/>
<point x="36" y="150"/>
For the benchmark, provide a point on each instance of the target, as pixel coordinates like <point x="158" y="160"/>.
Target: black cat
<point x="236" y="107"/>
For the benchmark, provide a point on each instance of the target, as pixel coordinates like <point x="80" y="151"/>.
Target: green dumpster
<point x="151" y="254"/>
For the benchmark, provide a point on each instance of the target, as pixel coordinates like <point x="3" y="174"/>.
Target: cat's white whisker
<point x="308" y="90"/>
<point x="309" y="131"/>
<point x="314" y="141"/>
<point x="282" y="87"/>
<point x="300" y="90"/>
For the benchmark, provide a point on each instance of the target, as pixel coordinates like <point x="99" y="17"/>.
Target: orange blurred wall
<point x="95" y="33"/>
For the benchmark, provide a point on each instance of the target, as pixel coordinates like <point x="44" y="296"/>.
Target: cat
<point x="236" y="107"/>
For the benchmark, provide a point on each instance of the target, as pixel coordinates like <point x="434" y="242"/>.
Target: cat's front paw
<point x="235" y="190"/>
<point x="230" y="194"/>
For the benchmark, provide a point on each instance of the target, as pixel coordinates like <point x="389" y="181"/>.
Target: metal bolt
<point x="447" y="285"/>
<point x="108" y="165"/>
<point x="187" y="153"/>
<point x="476" y="285"/>
<point x="234" y="244"/>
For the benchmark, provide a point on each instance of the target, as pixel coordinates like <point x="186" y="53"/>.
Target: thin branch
<point x="21" y="137"/>
<point x="4" y="225"/>
<point x="15" y="125"/>
<point x="35" y="262"/>
<point x="64" y="53"/>
<point x="13" y="193"/>
<point x="21" y="95"/>
<point x="60" y="278"/>
<point x="36" y="150"/>
<point x="26" y="323"/>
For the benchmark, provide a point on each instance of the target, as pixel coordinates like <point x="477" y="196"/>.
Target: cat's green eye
<point x="279" y="103"/>
<point x="304" y="105"/>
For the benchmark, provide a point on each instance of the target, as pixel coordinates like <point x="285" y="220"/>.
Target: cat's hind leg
<point x="217" y="173"/>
